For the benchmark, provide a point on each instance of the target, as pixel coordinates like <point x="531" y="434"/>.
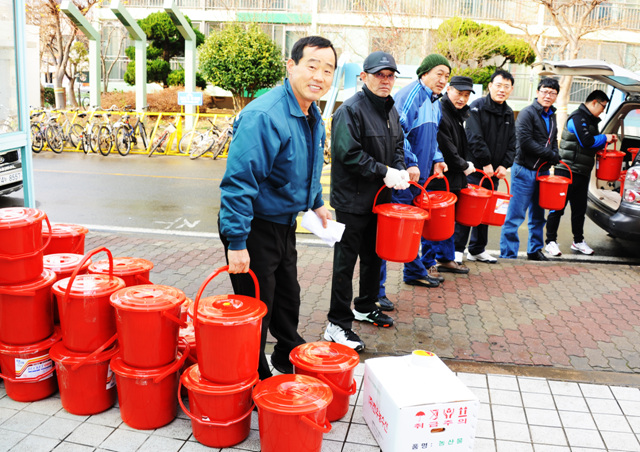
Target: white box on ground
<point x="414" y="403"/>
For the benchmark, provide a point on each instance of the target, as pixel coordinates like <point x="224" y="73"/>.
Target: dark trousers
<point x="480" y="233"/>
<point x="358" y="240"/>
<point x="273" y="254"/>
<point x="577" y="196"/>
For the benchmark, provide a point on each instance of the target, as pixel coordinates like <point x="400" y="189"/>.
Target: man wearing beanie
<point x="366" y="152"/>
<point x="420" y="115"/>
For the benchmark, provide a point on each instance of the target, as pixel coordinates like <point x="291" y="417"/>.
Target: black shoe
<point x="425" y="281"/>
<point x="282" y="367"/>
<point x="537" y="256"/>
<point x="377" y="317"/>
<point x="385" y="304"/>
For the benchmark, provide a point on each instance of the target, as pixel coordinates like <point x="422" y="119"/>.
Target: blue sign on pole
<point x="185" y="98"/>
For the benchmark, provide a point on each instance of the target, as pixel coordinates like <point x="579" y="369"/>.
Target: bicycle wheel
<point x="93" y="138"/>
<point x="105" y="140"/>
<point x="123" y="140"/>
<point x="37" y="140"/>
<point x="143" y="135"/>
<point x="187" y="141"/>
<point x="75" y="134"/>
<point x="53" y="134"/>
<point x="157" y="143"/>
<point x="220" y="143"/>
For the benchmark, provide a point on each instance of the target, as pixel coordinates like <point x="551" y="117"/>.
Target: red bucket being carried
<point x="333" y="364"/>
<point x="147" y="320"/>
<point x="472" y="202"/>
<point x="228" y="330"/>
<point x="496" y="211"/>
<point x="442" y="223"/>
<point x="220" y="414"/>
<point x="609" y="164"/>
<point x="399" y="229"/>
<point x="292" y="413"/>
<point x="132" y="270"/>
<point x="28" y="371"/>
<point x="553" y="189"/>
<point x="65" y="238"/>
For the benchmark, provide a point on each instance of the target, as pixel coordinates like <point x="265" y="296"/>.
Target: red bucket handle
<point x="96" y="352"/>
<point x="224" y="268"/>
<point x="485" y="176"/>
<point x="29" y="380"/>
<point x="175" y="366"/>
<point x="326" y="428"/>
<point x="175" y="319"/>
<point x="446" y="181"/>
<point x="428" y="209"/>
<point x="335" y="388"/>
<point x="15" y="257"/>
<point x="570" y="173"/>
<point x="603" y="152"/>
<point x="209" y="421"/>
<point x="142" y="280"/>
<point x="78" y="267"/>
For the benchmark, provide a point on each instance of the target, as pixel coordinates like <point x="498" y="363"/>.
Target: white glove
<point x="404" y="175"/>
<point x="471" y="169"/>
<point x="394" y="179"/>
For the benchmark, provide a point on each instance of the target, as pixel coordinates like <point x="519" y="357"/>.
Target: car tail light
<point x="632" y="185"/>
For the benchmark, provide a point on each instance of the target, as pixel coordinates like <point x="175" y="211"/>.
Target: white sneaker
<point x="336" y="334"/>
<point x="459" y="256"/>
<point x="482" y="257"/>
<point x="552" y="249"/>
<point x="582" y="247"/>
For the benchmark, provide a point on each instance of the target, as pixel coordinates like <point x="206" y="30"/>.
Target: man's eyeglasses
<point x="547" y="92"/>
<point x="505" y="86"/>
<point x="381" y="76"/>
<point x="603" y="105"/>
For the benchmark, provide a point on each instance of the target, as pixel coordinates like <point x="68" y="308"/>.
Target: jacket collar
<point x="590" y="115"/>
<point x="384" y="104"/>
<point x="432" y="97"/>
<point x="461" y="114"/>
<point x="294" y="106"/>
<point x="496" y="108"/>
<point x="540" y="109"/>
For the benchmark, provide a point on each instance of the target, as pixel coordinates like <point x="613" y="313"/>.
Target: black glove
<point x="555" y="159"/>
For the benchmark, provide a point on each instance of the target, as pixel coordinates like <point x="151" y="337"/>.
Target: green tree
<point x="241" y="59"/>
<point x="476" y="49"/>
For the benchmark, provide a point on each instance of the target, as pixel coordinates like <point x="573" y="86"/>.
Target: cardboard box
<point x="415" y="403"/>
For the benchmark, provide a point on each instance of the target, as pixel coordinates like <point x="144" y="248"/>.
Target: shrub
<point x="162" y="101"/>
<point x="49" y="96"/>
<point x="176" y="78"/>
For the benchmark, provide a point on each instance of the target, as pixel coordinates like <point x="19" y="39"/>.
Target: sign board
<point x="185" y="98"/>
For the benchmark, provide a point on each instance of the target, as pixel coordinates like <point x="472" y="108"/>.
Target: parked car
<point x="614" y="206"/>
<point x="10" y="172"/>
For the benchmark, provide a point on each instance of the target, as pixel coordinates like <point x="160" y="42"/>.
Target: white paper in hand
<point x="330" y="235"/>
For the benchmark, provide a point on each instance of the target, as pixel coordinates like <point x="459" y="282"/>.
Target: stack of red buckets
<point x="219" y="386"/>
<point x="26" y="311"/>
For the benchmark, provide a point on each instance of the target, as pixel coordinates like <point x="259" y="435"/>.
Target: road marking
<point x="179" y="223"/>
<point x="128" y="175"/>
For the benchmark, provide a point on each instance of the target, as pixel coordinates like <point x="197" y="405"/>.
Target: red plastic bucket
<point x="333" y="364"/>
<point x="87" y="385"/>
<point x="187" y="335"/>
<point x="27" y="370"/>
<point x="65" y="238"/>
<point x="220" y="414"/>
<point x="609" y="164"/>
<point x="472" y="202"/>
<point x="147" y="397"/>
<point x="26" y="311"/>
<point x="228" y="329"/>
<point x="147" y="320"/>
<point x="292" y="413"/>
<point x="399" y="229"/>
<point x="132" y="270"/>
<point x="496" y="211"/>
<point x="621" y="179"/>
<point x="553" y="189"/>
<point x="633" y="152"/>
<point x="86" y="316"/>
<point x="442" y="223"/>
<point x="63" y="264"/>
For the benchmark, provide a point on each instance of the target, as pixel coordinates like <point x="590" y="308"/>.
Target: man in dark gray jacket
<point x="367" y="151"/>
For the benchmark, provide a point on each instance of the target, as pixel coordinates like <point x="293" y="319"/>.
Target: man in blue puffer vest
<point x="273" y="173"/>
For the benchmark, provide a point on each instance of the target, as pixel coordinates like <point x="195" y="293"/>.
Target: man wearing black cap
<point x="366" y="152"/>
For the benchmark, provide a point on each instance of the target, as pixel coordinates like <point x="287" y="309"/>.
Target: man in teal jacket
<point x="273" y="173"/>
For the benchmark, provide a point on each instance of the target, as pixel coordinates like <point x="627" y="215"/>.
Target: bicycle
<point x="37" y="138"/>
<point x="39" y="132"/>
<point x="125" y="133"/>
<point x="158" y="142"/>
<point x="221" y="146"/>
<point x="105" y="133"/>
<point x="89" y="136"/>
<point x="56" y="134"/>
<point x="197" y="143"/>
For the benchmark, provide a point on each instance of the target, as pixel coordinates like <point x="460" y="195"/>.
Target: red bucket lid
<point x="229" y="310"/>
<point x="124" y="370"/>
<point x="401" y="211"/>
<point x="611" y="154"/>
<point x="476" y="190"/>
<point x="65" y="230"/>
<point x="553" y="179"/>
<point x="438" y="199"/>
<point x="17" y="217"/>
<point x="122" y="266"/>
<point x="292" y="394"/>
<point x="61" y="354"/>
<point x="64" y="262"/>
<point x="89" y="285"/>
<point x="327" y="357"/>
<point x="147" y="297"/>
<point x="47" y="278"/>
<point x="194" y="381"/>
<point x="6" y="349"/>
<point x="188" y="334"/>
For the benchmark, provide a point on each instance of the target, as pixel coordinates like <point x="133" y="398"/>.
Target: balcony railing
<point x="252" y="5"/>
<point x="616" y="15"/>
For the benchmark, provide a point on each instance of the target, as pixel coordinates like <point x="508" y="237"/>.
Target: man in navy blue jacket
<point x="273" y="173"/>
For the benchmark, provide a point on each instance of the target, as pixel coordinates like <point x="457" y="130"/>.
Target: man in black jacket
<point x="537" y="133"/>
<point x="578" y="146"/>
<point x="491" y="133"/>
<point x="367" y="150"/>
